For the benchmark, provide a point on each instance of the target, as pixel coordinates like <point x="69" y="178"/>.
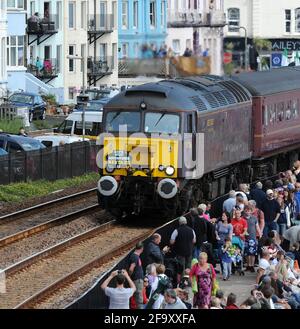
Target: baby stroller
<point x="237" y="255"/>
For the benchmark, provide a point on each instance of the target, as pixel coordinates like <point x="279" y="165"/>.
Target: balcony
<point x="189" y="19"/>
<point x="41" y="29"/>
<point x="45" y="70"/>
<point x="216" y="18"/>
<point x="97" y="68"/>
<point x="143" y="67"/>
<point x="98" y="25"/>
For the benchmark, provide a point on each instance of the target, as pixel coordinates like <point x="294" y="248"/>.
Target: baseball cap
<point x="270" y="192"/>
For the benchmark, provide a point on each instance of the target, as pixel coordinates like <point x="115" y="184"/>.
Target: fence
<point x="58" y="162"/>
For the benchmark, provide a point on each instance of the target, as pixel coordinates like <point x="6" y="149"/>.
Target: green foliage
<point x="262" y="44"/>
<point x="41" y="124"/>
<point x="228" y="68"/>
<point x="229" y="46"/>
<point x="11" y="126"/>
<point x="50" y="99"/>
<point x="18" y="192"/>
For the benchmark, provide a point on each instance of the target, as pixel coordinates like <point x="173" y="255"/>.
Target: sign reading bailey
<point x="281" y="44"/>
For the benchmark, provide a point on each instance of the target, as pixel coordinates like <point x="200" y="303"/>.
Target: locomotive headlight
<point x="161" y="168"/>
<point x="109" y="169"/>
<point x="170" y="170"/>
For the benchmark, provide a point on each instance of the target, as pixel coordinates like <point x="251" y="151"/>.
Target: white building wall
<point x="264" y="18"/>
<point x="3" y="35"/>
<point x="109" y="39"/>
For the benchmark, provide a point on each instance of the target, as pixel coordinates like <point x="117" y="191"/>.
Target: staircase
<point x="35" y="85"/>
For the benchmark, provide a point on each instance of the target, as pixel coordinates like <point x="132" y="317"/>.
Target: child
<point x="237" y="260"/>
<point x="186" y="285"/>
<point x="226" y="259"/>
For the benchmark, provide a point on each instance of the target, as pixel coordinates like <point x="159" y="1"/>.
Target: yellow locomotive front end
<point x="139" y="166"/>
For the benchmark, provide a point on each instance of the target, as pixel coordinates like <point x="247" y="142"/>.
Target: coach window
<point x="265" y="116"/>
<point x="271" y="114"/>
<point x="288" y="111"/>
<point x="280" y="112"/>
<point x="295" y="108"/>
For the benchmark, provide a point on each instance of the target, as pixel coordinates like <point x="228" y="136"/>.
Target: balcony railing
<point x="216" y="18"/>
<point x="47" y="69"/>
<point x="102" y="23"/>
<point x="187" y="19"/>
<point x="99" y="67"/>
<point x="42" y="25"/>
<point x="164" y="67"/>
<point x="196" y="19"/>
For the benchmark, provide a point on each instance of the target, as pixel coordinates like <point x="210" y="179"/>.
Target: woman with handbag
<point x="204" y="275"/>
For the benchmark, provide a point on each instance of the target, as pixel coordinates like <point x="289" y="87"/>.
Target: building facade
<point x="141" y="22"/>
<point x="16" y="44"/>
<point x="102" y="64"/>
<point x="279" y="23"/>
<point x="197" y="25"/>
<point x="3" y="36"/>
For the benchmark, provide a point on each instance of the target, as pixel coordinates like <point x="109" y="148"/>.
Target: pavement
<point x="241" y="286"/>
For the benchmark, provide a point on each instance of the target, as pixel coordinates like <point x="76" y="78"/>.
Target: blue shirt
<point x="229" y="204"/>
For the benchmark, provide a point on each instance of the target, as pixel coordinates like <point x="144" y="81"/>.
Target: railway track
<point x="31" y="280"/>
<point x="34" y="219"/>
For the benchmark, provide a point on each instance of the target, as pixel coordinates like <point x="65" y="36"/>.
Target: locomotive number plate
<point x="118" y="158"/>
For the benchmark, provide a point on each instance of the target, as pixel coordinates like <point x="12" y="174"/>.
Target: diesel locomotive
<point x="169" y="145"/>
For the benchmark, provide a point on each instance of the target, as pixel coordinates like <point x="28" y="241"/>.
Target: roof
<point x="17" y="138"/>
<point x="25" y="93"/>
<point x="270" y="82"/>
<point x="201" y="93"/>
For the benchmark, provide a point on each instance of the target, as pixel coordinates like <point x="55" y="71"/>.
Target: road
<point x="239" y="285"/>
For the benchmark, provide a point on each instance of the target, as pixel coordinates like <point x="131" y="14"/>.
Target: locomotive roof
<point x="270" y="82"/>
<point x="203" y="93"/>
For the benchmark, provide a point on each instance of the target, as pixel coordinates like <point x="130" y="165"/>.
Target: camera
<point x="120" y="272"/>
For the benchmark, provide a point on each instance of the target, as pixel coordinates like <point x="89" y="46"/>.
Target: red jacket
<point x="231" y="307"/>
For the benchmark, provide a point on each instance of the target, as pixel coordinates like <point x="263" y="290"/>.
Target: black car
<point x="34" y="103"/>
<point x="15" y="143"/>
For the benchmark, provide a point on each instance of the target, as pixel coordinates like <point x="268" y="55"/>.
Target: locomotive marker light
<point x="143" y="106"/>
<point x="170" y="170"/>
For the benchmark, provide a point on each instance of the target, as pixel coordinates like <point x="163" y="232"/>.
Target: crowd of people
<point x="258" y="232"/>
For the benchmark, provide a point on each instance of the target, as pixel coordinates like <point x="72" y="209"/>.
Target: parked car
<point x="55" y="140"/>
<point x="15" y="143"/>
<point x="34" y="102"/>
<point x="3" y="152"/>
<point x="73" y="124"/>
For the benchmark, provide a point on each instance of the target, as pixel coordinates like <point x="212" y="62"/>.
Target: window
<point x="47" y="52"/>
<point x="152" y="14"/>
<point x="2" y="60"/>
<point x="58" y="14"/>
<point x="280" y="112"/>
<point x="103" y="51"/>
<point x="233" y="19"/>
<point x="136" y="49"/>
<point x="71" y="92"/>
<point x="124" y="14"/>
<point x="13" y="147"/>
<point x="103" y="12"/>
<point x="124" y="50"/>
<point x="114" y="13"/>
<point x="176" y="46"/>
<point x="295" y="108"/>
<point x="297" y="20"/>
<point x="15" y="51"/>
<point x="114" y="55"/>
<point x="82" y="54"/>
<point x="288" y="20"/>
<point x="32" y="7"/>
<point x="162" y="123"/>
<point x="83" y="15"/>
<point x="135" y="14"/>
<point x="15" y="4"/>
<point x="162" y="14"/>
<point x="71" y="61"/>
<point x="116" y="121"/>
<point x="58" y="58"/>
<point x="66" y="126"/>
<point x="72" y="20"/>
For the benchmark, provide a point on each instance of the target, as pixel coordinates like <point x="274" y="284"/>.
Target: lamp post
<point x="83" y="90"/>
<point x="246" y="37"/>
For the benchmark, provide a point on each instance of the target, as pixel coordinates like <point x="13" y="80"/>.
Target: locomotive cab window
<point x="163" y="123"/>
<point x="128" y="121"/>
